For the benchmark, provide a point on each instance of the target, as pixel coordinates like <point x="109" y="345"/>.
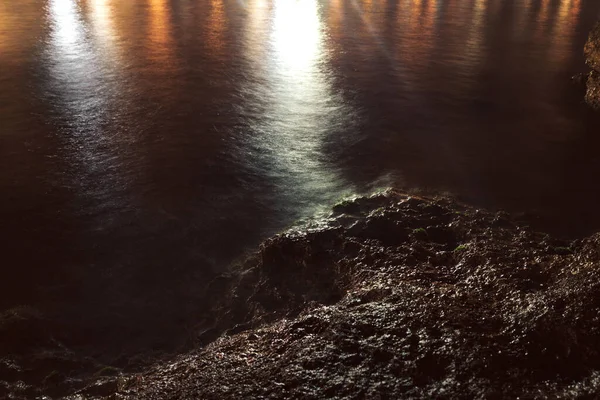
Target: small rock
<point x="580" y="79"/>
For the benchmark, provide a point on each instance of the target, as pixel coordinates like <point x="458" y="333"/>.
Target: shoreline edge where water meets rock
<point x="592" y="58"/>
<point x="395" y="296"/>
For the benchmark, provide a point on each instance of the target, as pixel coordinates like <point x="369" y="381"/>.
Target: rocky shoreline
<point x="389" y="296"/>
<point x="592" y="59"/>
<point x="394" y="296"/>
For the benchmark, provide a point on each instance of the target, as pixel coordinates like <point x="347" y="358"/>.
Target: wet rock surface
<point x="395" y="297"/>
<point x="592" y="94"/>
<point x="592" y="59"/>
<point x="592" y="49"/>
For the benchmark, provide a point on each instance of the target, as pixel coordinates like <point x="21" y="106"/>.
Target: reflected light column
<point x="103" y="27"/>
<point x="161" y="46"/>
<point x="216" y="27"/>
<point x="293" y="108"/>
<point x="81" y="93"/>
<point x="564" y="28"/>
<point x="297" y="37"/>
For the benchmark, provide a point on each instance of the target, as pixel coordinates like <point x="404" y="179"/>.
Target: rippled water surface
<point x="145" y="143"/>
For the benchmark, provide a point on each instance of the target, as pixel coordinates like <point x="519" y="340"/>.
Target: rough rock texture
<point x="592" y="59"/>
<point x="592" y="49"/>
<point x="396" y="297"/>
<point x="592" y="95"/>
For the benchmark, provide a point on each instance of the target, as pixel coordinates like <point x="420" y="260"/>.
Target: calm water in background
<point x="146" y="143"/>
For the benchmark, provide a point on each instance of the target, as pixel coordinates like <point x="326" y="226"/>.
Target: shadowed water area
<point x="145" y="144"/>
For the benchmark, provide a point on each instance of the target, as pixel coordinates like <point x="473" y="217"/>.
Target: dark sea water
<point x="145" y="144"/>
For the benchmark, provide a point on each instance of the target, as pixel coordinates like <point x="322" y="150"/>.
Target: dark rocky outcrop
<point x="592" y="95"/>
<point x="396" y="297"/>
<point x="592" y="49"/>
<point x="592" y="59"/>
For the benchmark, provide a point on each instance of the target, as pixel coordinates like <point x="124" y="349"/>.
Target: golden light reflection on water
<point x="416" y="31"/>
<point x="216" y="26"/>
<point x="547" y="24"/>
<point x="103" y="26"/>
<point x="543" y="18"/>
<point x="335" y="16"/>
<point x="367" y="5"/>
<point x="161" y="45"/>
<point x="475" y="40"/>
<point x="564" y="29"/>
<point x="5" y="28"/>
<point x="285" y="41"/>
